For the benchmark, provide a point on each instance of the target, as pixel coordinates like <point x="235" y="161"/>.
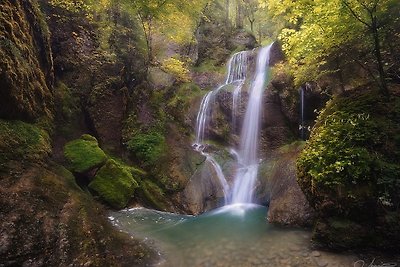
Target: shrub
<point x="149" y="148"/>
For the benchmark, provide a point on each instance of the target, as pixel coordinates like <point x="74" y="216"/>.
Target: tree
<point x="173" y="19"/>
<point x="370" y="15"/>
<point x="250" y="8"/>
<point x="323" y="36"/>
<point x="148" y="11"/>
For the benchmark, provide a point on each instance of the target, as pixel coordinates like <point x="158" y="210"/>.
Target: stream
<point x="234" y="235"/>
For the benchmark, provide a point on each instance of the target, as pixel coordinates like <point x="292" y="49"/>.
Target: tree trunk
<point x="227" y="6"/>
<point x="340" y="74"/>
<point x="239" y="19"/>
<point x="378" y="55"/>
<point x="252" y="25"/>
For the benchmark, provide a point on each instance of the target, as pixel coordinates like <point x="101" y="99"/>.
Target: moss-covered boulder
<point x="153" y="196"/>
<point x="20" y="141"/>
<point x="114" y="183"/>
<point x="47" y="220"/>
<point x="350" y="171"/>
<point x="26" y="66"/>
<point x="84" y="154"/>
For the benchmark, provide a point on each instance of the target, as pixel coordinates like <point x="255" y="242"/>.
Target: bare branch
<point x="355" y="15"/>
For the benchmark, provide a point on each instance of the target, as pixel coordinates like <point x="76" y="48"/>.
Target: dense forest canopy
<point x="326" y="36"/>
<point x="318" y="37"/>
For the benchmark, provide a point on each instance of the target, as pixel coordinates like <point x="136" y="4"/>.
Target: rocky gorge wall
<point x="45" y="218"/>
<point x="26" y="64"/>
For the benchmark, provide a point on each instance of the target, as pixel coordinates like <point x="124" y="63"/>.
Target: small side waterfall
<point x="302" y="126"/>
<point x="202" y="118"/>
<point x="237" y="72"/>
<point x="241" y="191"/>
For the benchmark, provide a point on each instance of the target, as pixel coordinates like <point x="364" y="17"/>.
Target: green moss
<point x="153" y="194"/>
<point x="67" y="110"/>
<point x="210" y="65"/>
<point x="149" y="148"/>
<point x="84" y="154"/>
<point x="22" y="141"/>
<point x="350" y="172"/>
<point x="25" y="62"/>
<point x="136" y="172"/>
<point x="353" y="146"/>
<point x="114" y="183"/>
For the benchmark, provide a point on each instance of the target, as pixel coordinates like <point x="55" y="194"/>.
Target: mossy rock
<point x="153" y="195"/>
<point x="44" y="212"/>
<point x="20" y="141"/>
<point x="84" y="154"/>
<point x="114" y="183"/>
<point x="26" y="66"/>
<point x="349" y="169"/>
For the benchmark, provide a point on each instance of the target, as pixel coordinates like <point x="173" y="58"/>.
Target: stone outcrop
<point x="349" y="171"/>
<point x="287" y="203"/>
<point x="45" y="218"/>
<point x="26" y="65"/>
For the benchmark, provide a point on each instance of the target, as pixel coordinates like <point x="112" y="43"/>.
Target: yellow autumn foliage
<point x="176" y="68"/>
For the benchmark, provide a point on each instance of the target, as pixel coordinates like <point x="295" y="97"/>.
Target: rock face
<point x="100" y="74"/>
<point x="349" y="171"/>
<point x="242" y="39"/>
<point x="287" y="204"/>
<point x="106" y="109"/>
<point x="45" y="218"/>
<point x="217" y="40"/>
<point x="26" y="66"/>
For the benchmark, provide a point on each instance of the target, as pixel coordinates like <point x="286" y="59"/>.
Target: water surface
<point x="236" y="235"/>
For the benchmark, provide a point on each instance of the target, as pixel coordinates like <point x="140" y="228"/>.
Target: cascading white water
<point x="248" y="160"/>
<point x="237" y="69"/>
<point x="237" y="73"/>
<point x="302" y="112"/>
<point x="202" y="118"/>
<point x="247" y="157"/>
<point x="220" y="175"/>
<point x="236" y="100"/>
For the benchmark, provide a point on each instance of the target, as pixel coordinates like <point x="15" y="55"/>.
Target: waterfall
<point x="237" y="69"/>
<point x="202" y="118"/>
<point x="302" y="113"/>
<point x="220" y="175"/>
<point x="248" y="160"/>
<point x="236" y="100"/>
<point x="237" y="73"/>
<point x="247" y="156"/>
